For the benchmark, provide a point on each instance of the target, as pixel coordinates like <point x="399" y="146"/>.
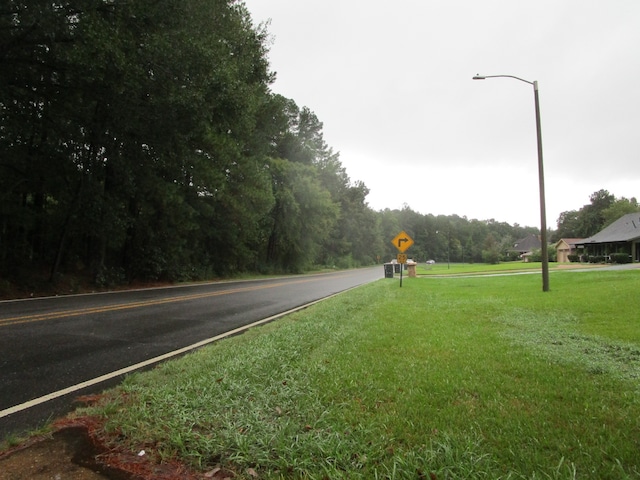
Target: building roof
<point x="624" y="229"/>
<point x="570" y="241"/>
<point x="527" y="244"/>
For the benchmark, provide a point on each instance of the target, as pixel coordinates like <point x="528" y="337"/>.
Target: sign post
<point x="402" y="242"/>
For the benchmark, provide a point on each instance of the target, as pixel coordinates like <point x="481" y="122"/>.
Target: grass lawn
<point x="486" y="269"/>
<point x="468" y="377"/>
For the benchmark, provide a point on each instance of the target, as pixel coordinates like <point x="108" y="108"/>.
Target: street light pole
<point x="448" y="247"/>
<point x="543" y="209"/>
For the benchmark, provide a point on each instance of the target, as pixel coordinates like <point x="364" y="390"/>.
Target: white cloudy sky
<point x="392" y="84"/>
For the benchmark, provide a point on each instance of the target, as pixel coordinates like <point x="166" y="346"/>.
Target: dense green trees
<point x="111" y="112"/>
<point x="141" y="140"/>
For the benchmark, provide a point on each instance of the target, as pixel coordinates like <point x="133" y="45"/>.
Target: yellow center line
<point x="125" y="306"/>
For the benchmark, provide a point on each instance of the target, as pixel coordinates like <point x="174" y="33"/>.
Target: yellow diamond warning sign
<point x="402" y="241"/>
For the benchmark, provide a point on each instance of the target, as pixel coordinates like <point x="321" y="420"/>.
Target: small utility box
<point x="388" y="270"/>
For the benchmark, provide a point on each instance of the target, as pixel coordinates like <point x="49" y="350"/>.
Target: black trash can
<point x="388" y="270"/>
<point x="396" y="267"/>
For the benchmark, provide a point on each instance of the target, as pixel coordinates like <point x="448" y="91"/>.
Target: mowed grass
<point x="443" y="378"/>
<point x="486" y="269"/>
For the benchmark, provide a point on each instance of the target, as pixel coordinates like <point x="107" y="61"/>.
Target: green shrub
<point x="573" y="257"/>
<point x="620" y="258"/>
<point x="536" y="255"/>
<point x="491" y="257"/>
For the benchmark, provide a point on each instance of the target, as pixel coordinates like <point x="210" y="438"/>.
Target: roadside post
<point x="402" y="242"/>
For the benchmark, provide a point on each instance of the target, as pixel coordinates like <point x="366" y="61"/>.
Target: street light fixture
<point x="543" y="214"/>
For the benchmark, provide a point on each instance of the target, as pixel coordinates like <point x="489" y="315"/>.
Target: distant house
<point x="565" y="247"/>
<point x="622" y="236"/>
<point x="524" y="248"/>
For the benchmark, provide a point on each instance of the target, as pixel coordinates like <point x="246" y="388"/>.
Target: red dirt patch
<point x="77" y="451"/>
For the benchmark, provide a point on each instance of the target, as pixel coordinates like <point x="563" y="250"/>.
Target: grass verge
<point x="442" y="378"/>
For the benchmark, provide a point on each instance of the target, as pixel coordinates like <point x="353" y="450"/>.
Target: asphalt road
<point x="55" y="349"/>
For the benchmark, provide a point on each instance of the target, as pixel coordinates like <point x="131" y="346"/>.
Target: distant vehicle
<point x="430" y="262"/>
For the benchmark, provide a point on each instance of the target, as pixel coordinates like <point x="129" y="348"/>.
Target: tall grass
<point x="442" y="378"/>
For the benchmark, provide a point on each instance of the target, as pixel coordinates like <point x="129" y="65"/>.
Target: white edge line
<point x="94" y="381"/>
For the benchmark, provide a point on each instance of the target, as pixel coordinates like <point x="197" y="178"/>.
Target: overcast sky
<point x="392" y="84"/>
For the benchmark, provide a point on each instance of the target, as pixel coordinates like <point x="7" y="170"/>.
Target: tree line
<point x="604" y="209"/>
<point x="141" y="140"/>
